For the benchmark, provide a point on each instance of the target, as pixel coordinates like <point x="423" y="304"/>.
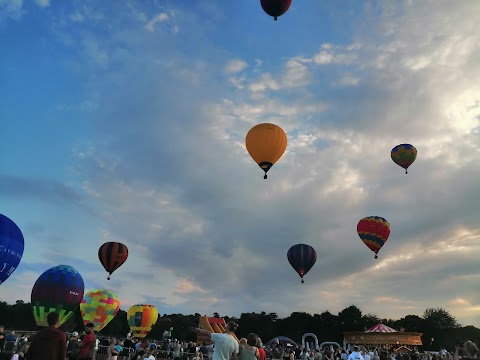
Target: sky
<point x="126" y="121"/>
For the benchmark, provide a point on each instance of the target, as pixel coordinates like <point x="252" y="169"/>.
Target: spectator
<point x="49" y="343"/>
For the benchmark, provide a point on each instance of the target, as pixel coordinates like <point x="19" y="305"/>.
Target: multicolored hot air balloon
<point x="374" y="232"/>
<point x="275" y="8"/>
<point x="11" y="247"/>
<point x="404" y="155"/>
<point x="99" y="307"/>
<point x="112" y="255"/>
<point x="302" y="258"/>
<point x="266" y="144"/>
<point x="141" y="319"/>
<point x="58" y="289"/>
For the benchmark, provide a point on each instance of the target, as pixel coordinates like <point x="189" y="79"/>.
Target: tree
<point x="438" y="318"/>
<point x="350" y="319"/>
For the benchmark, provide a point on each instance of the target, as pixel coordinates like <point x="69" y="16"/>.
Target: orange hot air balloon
<point x="266" y="144"/>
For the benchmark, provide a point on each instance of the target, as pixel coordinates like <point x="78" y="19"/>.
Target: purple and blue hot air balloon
<point x="302" y="258"/>
<point x="58" y="289"/>
<point x="11" y="247"/>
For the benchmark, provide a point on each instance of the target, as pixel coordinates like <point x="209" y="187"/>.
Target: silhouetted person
<point x="49" y="343"/>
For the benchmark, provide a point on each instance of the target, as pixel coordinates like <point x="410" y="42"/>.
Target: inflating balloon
<point x="141" y="319"/>
<point x="275" y="8"/>
<point x="302" y="258"/>
<point x="112" y="255"/>
<point x="58" y="289"/>
<point x="374" y="232"/>
<point x="11" y="247"/>
<point x="266" y="144"/>
<point x="99" y="307"/>
<point x="404" y="155"/>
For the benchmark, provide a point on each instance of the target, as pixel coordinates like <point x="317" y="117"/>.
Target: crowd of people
<point x="51" y="343"/>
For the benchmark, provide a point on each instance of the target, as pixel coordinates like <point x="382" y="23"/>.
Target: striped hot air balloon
<point x="99" y="307"/>
<point x="112" y="255"/>
<point x="302" y="258"/>
<point x="374" y="232"/>
<point x="141" y="319"/>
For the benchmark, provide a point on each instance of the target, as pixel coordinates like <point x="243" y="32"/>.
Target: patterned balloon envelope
<point x="374" y="232"/>
<point x="99" y="307"/>
<point x="58" y="289"/>
<point x="404" y="155"/>
<point x="141" y="319"/>
<point x="11" y="247"/>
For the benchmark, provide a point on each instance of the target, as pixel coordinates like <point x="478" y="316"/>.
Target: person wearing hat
<point x="88" y="344"/>
<point x="73" y="347"/>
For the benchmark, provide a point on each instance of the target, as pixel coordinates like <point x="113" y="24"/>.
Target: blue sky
<point x="125" y="121"/>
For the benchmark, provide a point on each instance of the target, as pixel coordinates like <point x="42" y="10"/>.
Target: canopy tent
<point x="282" y="339"/>
<point x="381" y="336"/>
<point x="380" y="328"/>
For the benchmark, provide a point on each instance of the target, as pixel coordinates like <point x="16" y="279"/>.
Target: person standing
<point x="88" y="344"/>
<point x="49" y="343"/>
<point x="226" y="346"/>
<point x="355" y="355"/>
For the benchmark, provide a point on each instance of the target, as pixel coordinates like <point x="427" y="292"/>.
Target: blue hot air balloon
<point x="11" y="247"/>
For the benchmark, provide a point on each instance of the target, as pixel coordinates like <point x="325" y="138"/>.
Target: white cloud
<point x="235" y="66"/>
<point x="11" y="8"/>
<point x="159" y="18"/>
<point x="42" y="3"/>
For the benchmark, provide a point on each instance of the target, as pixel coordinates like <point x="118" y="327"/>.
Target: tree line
<point x="439" y="327"/>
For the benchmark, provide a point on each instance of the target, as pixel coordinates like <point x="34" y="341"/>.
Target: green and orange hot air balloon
<point x="266" y="144"/>
<point x="374" y="232"/>
<point x="404" y="155"/>
<point x="141" y="319"/>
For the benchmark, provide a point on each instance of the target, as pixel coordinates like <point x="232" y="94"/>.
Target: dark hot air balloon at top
<point x="275" y="8"/>
<point x="374" y="232"/>
<point x="112" y="255"/>
<point x="266" y="144"/>
<point x="11" y="247"/>
<point x="58" y="289"/>
<point x="302" y="258"/>
<point x="404" y="155"/>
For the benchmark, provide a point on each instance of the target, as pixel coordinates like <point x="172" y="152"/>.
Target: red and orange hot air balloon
<point x="266" y="144"/>
<point x="374" y="232"/>
<point x="275" y="8"/>
<point x="112" y="255"/>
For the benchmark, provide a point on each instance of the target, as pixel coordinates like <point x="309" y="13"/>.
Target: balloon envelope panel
<point x="58" y="289"/>
<point x="12" y="245"/>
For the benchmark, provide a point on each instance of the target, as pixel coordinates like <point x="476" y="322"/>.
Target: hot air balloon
<point x="112" y="255"/>
<point x="275" y="8"/>
<point x="58" y="289"/>
<point x="141" y="319"/>
<point x="374" y="232"/>
<point x="404" y="155"/>
<point x="99" y="307"/>
<point x="11" y="247"/>
<point x="266" y="144"/>
<point x="302" y="258"/>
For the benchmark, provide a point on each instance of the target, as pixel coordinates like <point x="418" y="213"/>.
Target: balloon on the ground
<point x="99" y="307"/>
<point x="141" y="319"/>
<point x="302" y="258"/>
<point x="275" y="8"/>
<point x="112" y="255"/>
<point x="404" y="155"/>
<point x="374" y="232"/>
<point x="266" y="144"/>
<point x="58" y="289"/>
<point x="12" y="245"/>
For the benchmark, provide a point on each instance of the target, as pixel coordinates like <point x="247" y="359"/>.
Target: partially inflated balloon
<point x="112" y="255"/>
<point x="99" y="307"/>
<point x="58" y="289"/>
<point x="141" y="319"/>
<point x="302" y="258"/>
<point x="374" y="232"/>
<point x="11" y="247"/>
<point x="404" y="155"/>
<point x="275" y="8"/>
<point x="266" y="144"/>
